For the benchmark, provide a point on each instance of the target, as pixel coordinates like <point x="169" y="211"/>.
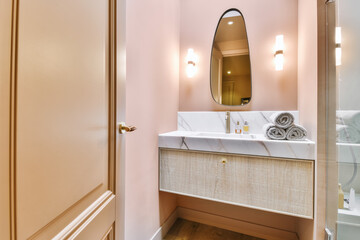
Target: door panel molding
<point x="5" y="53"/>
<point x="65" y="218"/>
<point x="112" y="40"/>
<point x="109" y="235"/>
<point x="13" y="105"/>
<point x="75" y="228"/>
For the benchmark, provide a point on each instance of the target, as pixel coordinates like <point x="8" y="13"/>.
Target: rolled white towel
<point x="274" y="132"/>
<point x="348" y="117"/>
<point x="347" y="134"/>
<point x="296" y="133"/>
<point x="282" y="119"/>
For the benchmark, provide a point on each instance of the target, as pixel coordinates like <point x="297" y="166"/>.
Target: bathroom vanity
<point x="200" y="160"/>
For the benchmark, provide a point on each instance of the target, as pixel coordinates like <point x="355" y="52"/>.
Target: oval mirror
<point x="230" y="76"/>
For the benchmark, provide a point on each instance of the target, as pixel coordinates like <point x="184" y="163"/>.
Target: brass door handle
<point x="124" y="128"/>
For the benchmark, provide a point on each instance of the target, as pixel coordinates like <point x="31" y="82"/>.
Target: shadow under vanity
<point x="200" y="160"/>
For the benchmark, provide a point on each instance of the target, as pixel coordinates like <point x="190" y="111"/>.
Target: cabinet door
<point x="61" y="160"/>
<point x="272" y="184"/>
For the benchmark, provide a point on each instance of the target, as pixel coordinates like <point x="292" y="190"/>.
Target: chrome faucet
<point x="227" y="122"/>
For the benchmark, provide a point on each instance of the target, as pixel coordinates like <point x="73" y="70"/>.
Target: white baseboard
<point x="163" y="230"/>
<point x="230" y="224"/>
<point x="235" y="225"/>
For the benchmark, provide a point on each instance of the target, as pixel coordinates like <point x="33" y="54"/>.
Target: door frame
<point x="120" y="116"/>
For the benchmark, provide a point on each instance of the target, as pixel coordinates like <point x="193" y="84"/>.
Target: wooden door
<point x="62" y="160"/>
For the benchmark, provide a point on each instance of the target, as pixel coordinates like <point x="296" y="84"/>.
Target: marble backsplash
<point x="215" y="121"/>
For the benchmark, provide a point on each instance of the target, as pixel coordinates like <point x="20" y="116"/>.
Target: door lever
<point x="124" y="128"/>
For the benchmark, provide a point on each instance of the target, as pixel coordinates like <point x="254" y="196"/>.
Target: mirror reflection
<point x="230" y="61"/>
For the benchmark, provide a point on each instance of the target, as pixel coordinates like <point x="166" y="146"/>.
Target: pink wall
<point x="308" y="102"/>
<point x="152" y="100"/>
<point x="307" y="65"/>
<point x="264" y="19"/>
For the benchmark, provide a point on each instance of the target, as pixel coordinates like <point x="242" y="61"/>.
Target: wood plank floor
<point x="187" y="230"/>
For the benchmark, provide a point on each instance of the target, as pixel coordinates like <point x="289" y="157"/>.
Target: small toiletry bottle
<point x="352" y="204"/>
<point x="246" y="128"/>
<point x="341" y="197"/>
<point x="238" y="127"/>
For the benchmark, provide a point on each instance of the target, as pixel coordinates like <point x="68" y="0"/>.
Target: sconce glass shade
<point x="279" y="43"/>
<point x="338" y="51"/>
<point x="338" y="56"/>
<point x="338" y="35"/>
<point x="279" y="53"/>
<point x="190" y="70"/>
<point x="279" y="62"/>
<point x="191" y="60"/>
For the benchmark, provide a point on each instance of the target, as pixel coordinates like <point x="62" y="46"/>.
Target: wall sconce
<point x="279" y="53"/>
<point x="338" y="46"/>
<point x="191" y="61"/>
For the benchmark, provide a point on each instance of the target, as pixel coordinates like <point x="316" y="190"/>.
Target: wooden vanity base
<point x="271" y="184"/>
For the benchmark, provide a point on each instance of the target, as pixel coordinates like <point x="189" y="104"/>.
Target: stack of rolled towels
<point x="282" y="127"/>
<point x="348" y="126"/>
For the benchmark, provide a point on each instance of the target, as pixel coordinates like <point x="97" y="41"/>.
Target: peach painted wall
<point x="264" y="19"/>
<point x="307" y="65"/>
<point x="152" y="100"/>
<point x="308" y="102"/>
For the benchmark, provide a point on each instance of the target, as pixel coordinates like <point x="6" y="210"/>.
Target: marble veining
<point x="205" y="131"/>
<point x="215" y="121"/>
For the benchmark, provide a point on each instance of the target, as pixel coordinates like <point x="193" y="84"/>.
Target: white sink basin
<point x="228" y="135"/>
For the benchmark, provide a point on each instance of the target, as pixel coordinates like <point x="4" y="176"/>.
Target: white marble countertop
<point x="247" y="144"/>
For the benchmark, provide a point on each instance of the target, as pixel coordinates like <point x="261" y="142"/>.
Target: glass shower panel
<point x="343" y="167"/>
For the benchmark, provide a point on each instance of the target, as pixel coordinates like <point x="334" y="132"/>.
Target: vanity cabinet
<point x="278" y="185"/>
